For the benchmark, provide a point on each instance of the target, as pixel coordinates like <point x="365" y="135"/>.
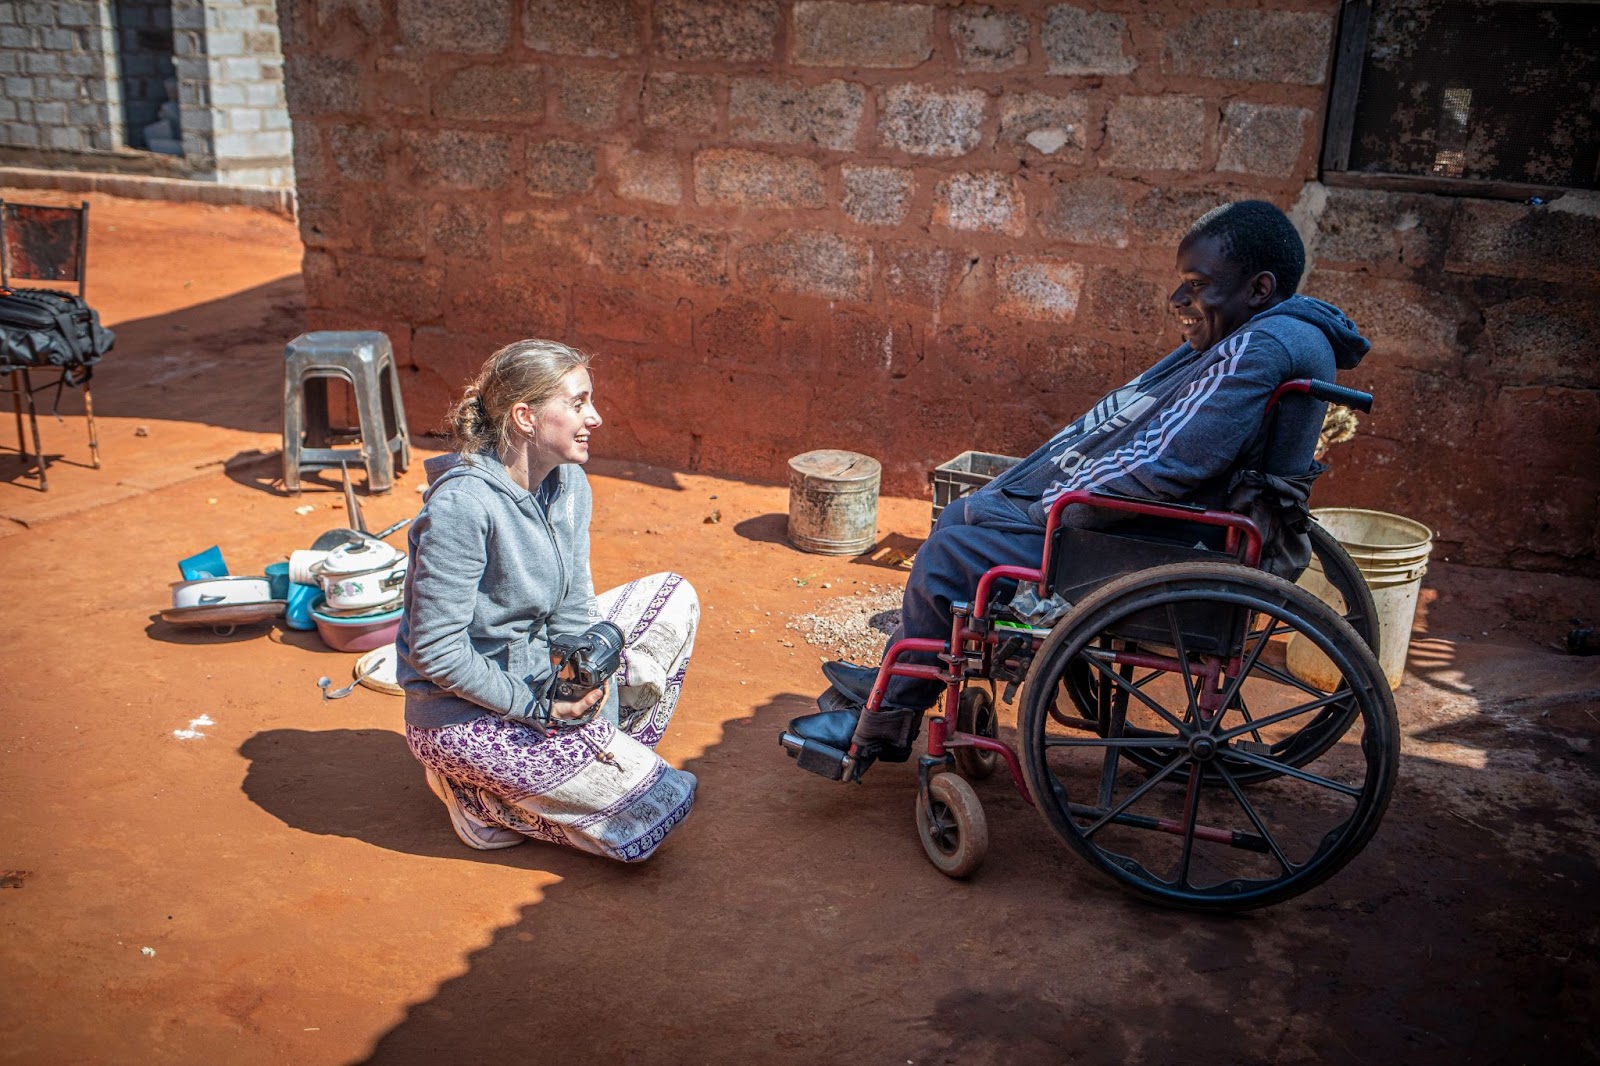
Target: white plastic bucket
<point x="1392" y="554"/>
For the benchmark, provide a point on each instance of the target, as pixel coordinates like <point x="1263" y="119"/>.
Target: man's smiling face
<point x="1214" y="296"/>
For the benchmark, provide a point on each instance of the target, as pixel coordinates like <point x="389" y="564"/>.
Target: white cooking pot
<point x="219" y="591"/>
<point x="358" y="557"/>
<point x="368" y="588"/>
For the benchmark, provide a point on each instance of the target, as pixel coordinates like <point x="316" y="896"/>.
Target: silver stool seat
<point x="365" y="359"/>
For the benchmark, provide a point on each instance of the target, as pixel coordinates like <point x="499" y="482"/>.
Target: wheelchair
<point x="1156" y="701"/>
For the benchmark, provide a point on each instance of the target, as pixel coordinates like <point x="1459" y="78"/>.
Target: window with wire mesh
<point x="1483" y="90"/>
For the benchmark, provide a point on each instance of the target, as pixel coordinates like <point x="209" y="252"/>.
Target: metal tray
<point x="224" y="616"/>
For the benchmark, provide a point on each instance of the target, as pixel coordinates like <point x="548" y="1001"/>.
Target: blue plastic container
<point x="303" y="599"/>
<point x="278" y="580"/>
<point x="202" y="565"/>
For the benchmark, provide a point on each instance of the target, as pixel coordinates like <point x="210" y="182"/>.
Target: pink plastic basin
<point x="362" y="633"/>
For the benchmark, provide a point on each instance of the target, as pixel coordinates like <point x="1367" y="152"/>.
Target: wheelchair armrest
<point x="1190" y="508"/>
<point x="985" y="591"/>
<point x="1084" y="559"/>
<point x="1237" y="524"/>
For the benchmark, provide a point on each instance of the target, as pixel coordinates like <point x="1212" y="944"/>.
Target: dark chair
<point x="44" y="243"/>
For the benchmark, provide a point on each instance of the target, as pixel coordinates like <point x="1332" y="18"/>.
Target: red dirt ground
<point x="286" y="889"/>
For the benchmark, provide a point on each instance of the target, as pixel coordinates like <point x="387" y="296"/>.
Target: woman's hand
<point x="567" y="710"/>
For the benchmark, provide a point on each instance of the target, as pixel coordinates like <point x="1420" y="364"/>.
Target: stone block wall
<point x="1485" y="319"/>
<point x="62" y="72"/>
<point x="908" y="229"/>
<point x="60" y="92"/>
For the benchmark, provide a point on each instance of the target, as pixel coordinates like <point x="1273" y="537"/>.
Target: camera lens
<point x="607" y="637"/>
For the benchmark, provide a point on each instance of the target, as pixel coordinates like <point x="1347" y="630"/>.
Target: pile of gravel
<point x="854" y="627"/>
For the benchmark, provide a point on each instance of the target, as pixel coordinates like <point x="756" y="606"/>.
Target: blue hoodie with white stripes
<point x="1178" y="430"/>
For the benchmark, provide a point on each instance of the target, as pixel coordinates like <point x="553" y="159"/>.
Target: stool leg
<point x="94" y="437"/>
<point x="16" y="409"/>
<point x="293" y="425"/>
<point x="397" y="435"/>
<point x="33" y="421"/>
<point x="374" y="446"/>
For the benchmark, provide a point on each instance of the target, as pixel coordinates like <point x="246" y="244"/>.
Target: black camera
<point x="582" y="663"/>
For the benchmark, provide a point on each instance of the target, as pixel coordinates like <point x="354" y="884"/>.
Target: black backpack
<point x="56" y="330"/>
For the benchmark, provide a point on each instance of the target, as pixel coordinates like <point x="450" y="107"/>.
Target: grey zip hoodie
<point x="494" y="571"/>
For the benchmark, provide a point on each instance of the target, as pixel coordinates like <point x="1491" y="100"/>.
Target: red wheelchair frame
<point x="970" y="625"/>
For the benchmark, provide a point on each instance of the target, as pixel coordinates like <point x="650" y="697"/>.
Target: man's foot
<point x="830" y="728"/>
<point x="474" y="832"/>
<point x="886" y="736"/>
<point x="852" y="680"/>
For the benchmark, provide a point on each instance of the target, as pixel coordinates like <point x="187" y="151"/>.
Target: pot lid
<point x="830" y="465"/>
<point x="330" y="578"/>
<point x="360" y="556"/>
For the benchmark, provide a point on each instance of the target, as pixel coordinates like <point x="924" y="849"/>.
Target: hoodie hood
<point x="1349" y="346"/>
<point x="486" y="467"/>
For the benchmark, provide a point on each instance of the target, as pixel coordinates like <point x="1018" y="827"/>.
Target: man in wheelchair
<point x="1179" y="432"/>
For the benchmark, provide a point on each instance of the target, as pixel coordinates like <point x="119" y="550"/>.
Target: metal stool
<point x="365" y="360"/>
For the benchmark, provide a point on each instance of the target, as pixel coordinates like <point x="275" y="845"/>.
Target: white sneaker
<point x="473" y="832"/>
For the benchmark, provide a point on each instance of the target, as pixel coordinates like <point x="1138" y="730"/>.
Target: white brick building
<point x="179" y="88"/>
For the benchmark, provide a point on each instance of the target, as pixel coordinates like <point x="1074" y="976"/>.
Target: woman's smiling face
<point x="1214" y="296"/>
<point x="562" y="424"/>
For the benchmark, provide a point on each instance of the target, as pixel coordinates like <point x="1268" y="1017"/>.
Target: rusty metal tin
<point x="833" y="502"/>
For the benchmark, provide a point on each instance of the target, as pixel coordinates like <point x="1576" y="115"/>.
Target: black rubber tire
<point x="1322" y="730"/>
<point x="976" y="715"/>
<point x="957" y="838"/>
<point x="1315" y="811"/>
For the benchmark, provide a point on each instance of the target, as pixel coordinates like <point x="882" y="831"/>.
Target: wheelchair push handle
<point x="1324" y="390"/>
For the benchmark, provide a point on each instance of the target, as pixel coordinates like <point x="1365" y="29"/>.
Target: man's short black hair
<point x="1257" y="236"/>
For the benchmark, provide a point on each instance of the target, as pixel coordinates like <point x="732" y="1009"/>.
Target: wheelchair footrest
<point x="815" y="756"/>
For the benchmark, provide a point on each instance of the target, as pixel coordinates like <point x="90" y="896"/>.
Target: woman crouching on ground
<point x="500" y="565"/>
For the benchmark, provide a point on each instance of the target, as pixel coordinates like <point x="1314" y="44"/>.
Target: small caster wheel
<point x="951" y="825"/>
<point x="976" y="716"/>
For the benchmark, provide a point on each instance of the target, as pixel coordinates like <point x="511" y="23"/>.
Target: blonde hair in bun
<point x="527" y="372"/>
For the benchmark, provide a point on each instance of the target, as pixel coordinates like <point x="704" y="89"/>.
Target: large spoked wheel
<point x="976" y="715"/>
<point x="952" y="826"/>
<point x="1194" y="703"/>
<point x="1346" y="589"/>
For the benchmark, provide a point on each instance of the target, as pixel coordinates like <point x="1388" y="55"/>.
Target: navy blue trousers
<point x="974" y="533"/>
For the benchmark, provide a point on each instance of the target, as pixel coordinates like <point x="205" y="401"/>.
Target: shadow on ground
<point x="794" y="919"/>
<point x="765" y="529"/>
<point x="218" y="363"/>
<point x="20" y="469"/>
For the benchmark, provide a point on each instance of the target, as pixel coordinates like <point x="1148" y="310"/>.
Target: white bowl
<point x="220" y="591"/>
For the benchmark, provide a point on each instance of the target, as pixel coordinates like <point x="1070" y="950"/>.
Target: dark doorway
<point x="150" y="117"/>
